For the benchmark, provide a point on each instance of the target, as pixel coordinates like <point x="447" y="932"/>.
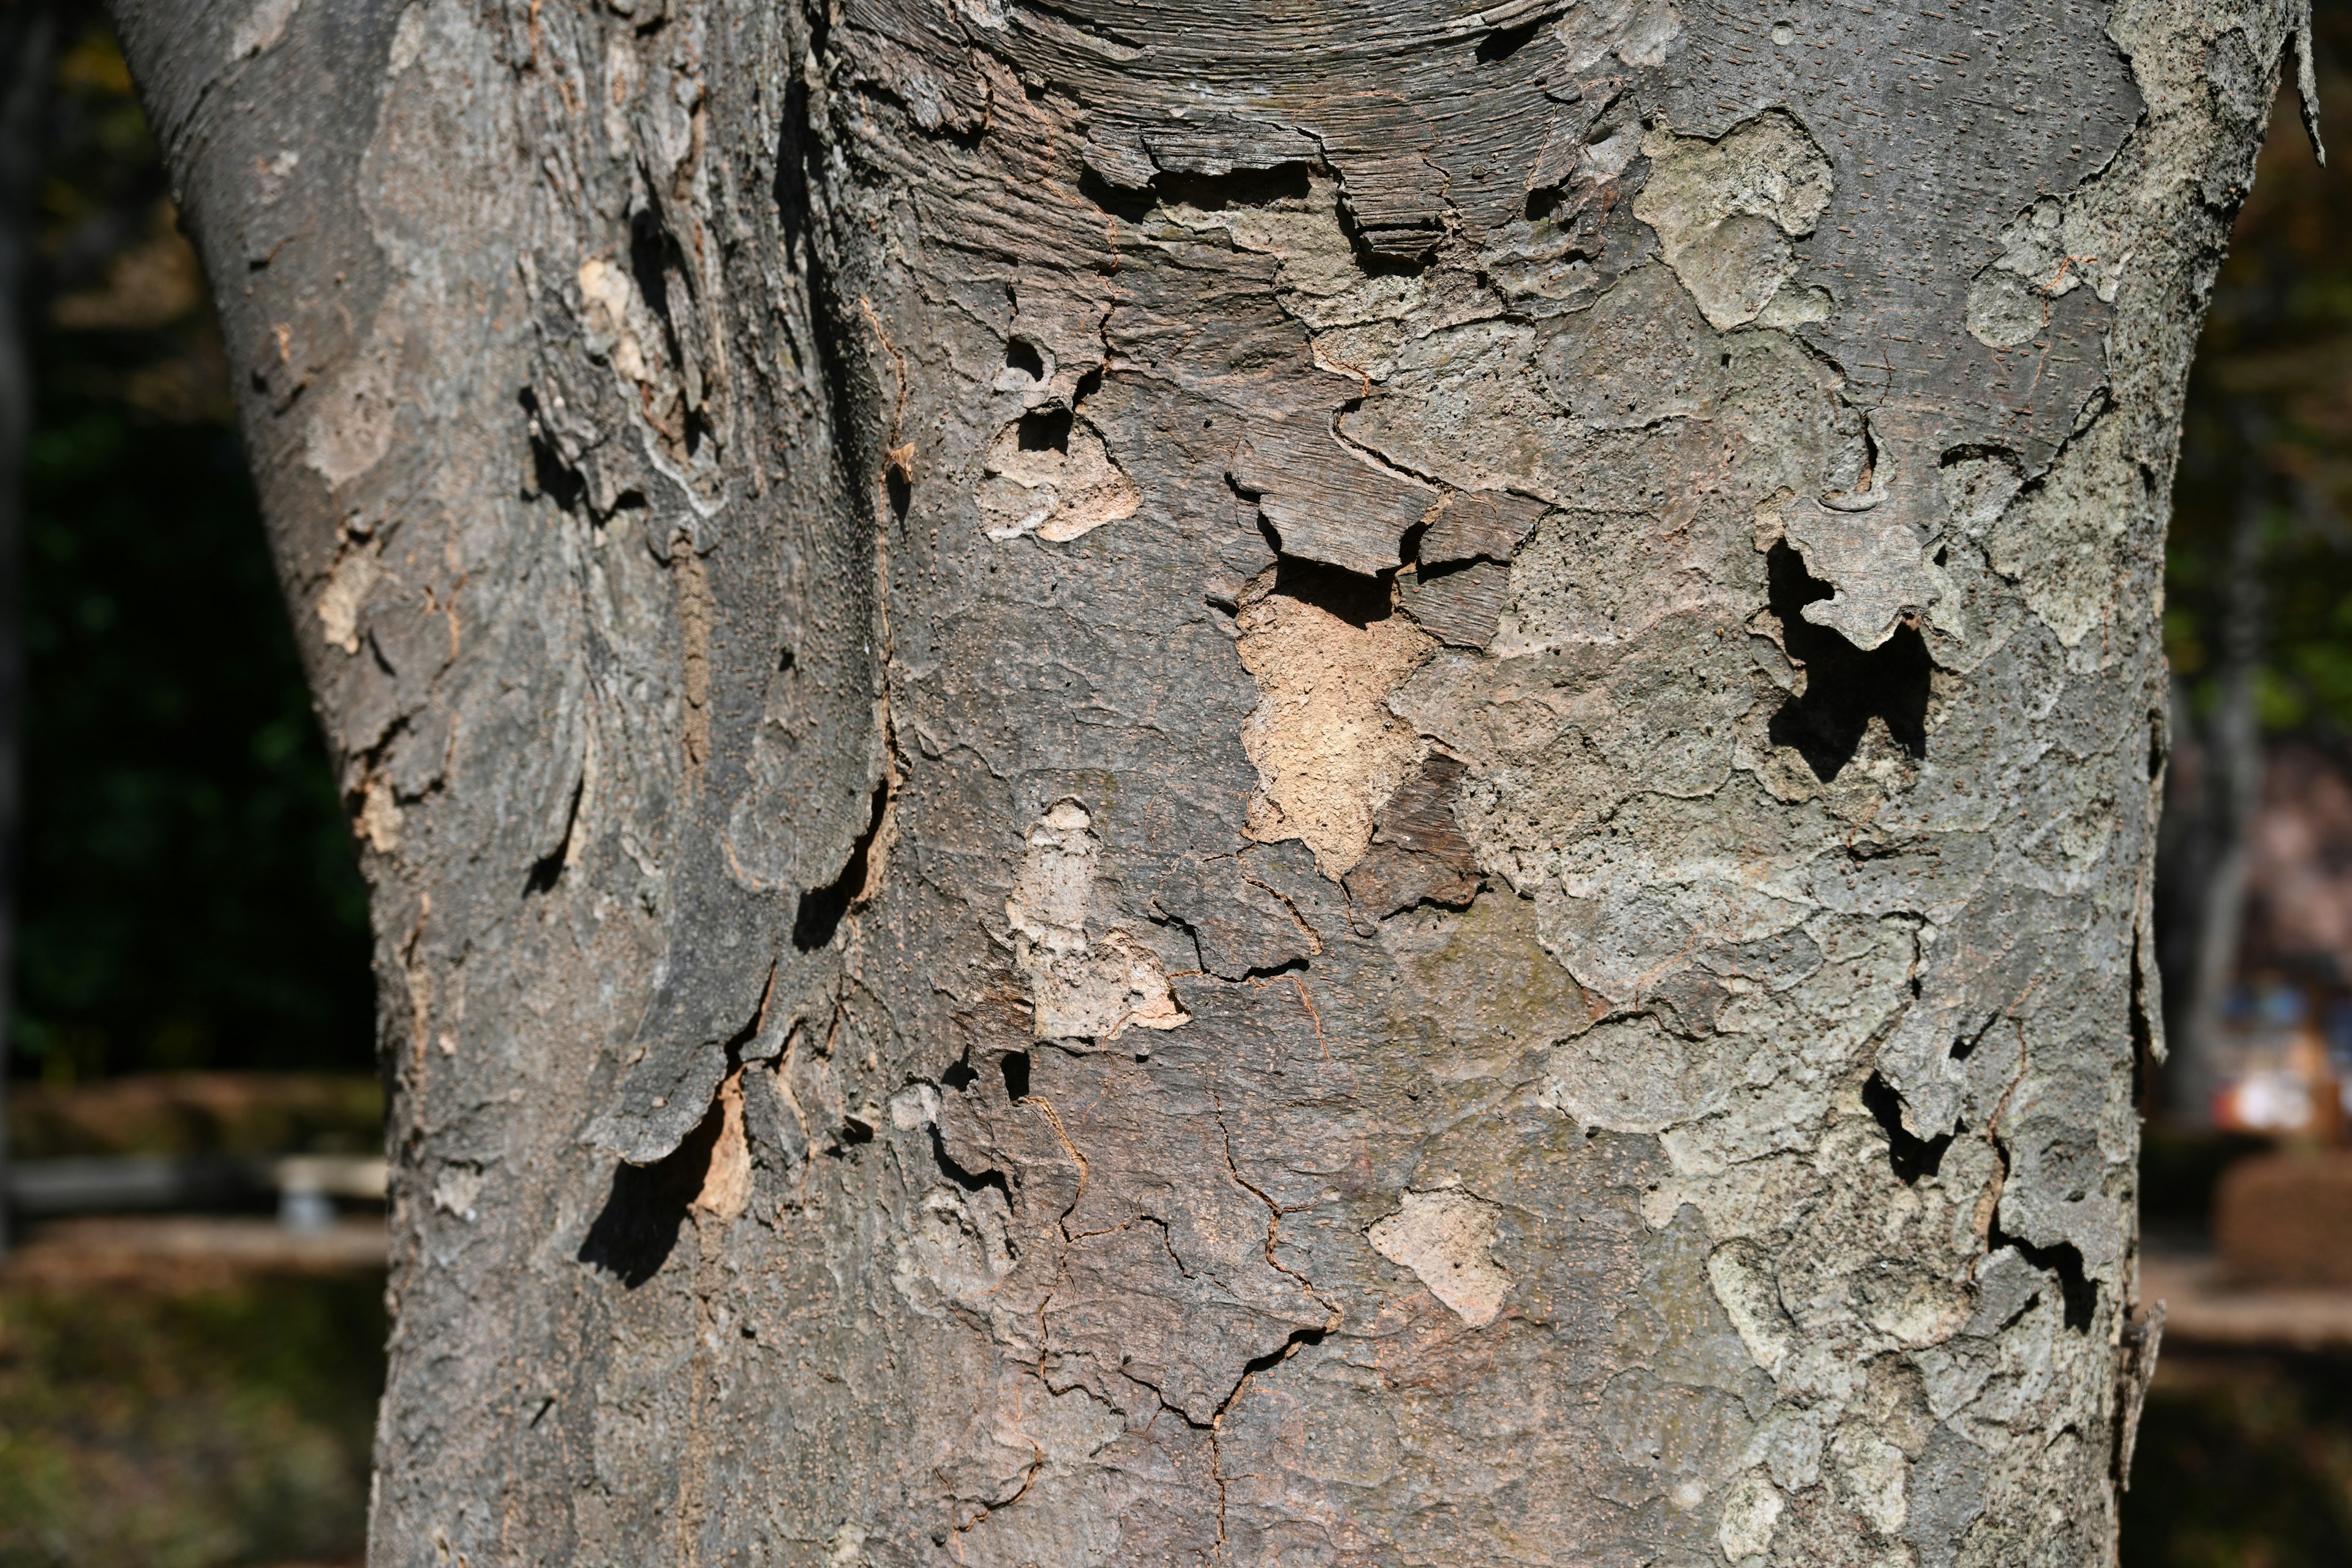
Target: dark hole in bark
<point x="790" y="186"/>
<point x="1211" y="193"/>
<point x="1088" y="384"/>
<point x="649" y="262"/>
<point x="1409" y="547"/>
<point x="1911" y="1155"/>
<point x="1021" y="354"/>
<point x="1044" y="429"/>
<point x="785" y="660"/>
<point x="1845" y="687"/>
<point x="697" y="430"/>
<point x="1015" y="1065"/>
<point x="900" y="489"/>
<point x="632" y="1235"/>
<point x="1542" y="203"/>
<point x="550" y="475"/>
<point x="820" y="909"/>
<point x="1353" y="597"/>
<point x="1964" y="1046"/>
<point x="958" y="1076"/>
<point x="2078" y="1292"/>
<point x="1117" y="200"/>
<point x="1503" y="42"/>
<point x="1241" y="188"/>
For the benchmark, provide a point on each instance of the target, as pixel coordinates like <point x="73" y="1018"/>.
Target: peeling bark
<point x="1163" y="784"/>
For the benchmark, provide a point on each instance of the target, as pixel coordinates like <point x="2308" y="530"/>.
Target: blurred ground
<point x="2245" y="1461"/>
<point x="190" y="1391"/>
<point x="179" y="1413"/>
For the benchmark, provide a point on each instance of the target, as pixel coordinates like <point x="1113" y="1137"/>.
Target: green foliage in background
<point x="2269" y="423"/>
<point x="189" y="896"/>
<point x="143" y="1429"/>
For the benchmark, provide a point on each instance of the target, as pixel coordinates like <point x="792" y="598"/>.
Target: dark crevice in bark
<point x="822" y="908"/>
<point x="1131" y="205"/>
<point x="550" y="475"/>
<point x="2077" y="1290"/>
<point x="548" y="869"/>
<point x="654" y="254"/>
<point x="1543" y="203"/>
<point x="1241" y="188"/>
<point x="1409" y="545"/>
<point x="1014" y="1066"/>
<point x="645" y="1207"/>
<point x="970" y="1181"/>
<point x="1504" y="42"/>
<point x="2078" y="1293"/>
<point x="1911" y="1155"/>
<point x="1351" y="596"/>
<point x="1021" y="354"/>
<point x="2143" y="1023"/>
<point x="1046" y="429"/>
<point x="1297" y="1340"/>
<point x="1845" y="687"/>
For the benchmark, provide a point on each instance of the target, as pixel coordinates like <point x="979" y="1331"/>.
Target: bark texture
<point x="1169" y="782"/>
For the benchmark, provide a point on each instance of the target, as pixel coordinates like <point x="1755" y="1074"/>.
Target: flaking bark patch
<point x="1447" y="1239"/>
<point x="727" y="1180"/>
<point x="1327" y="750"/>
<point x="1081" y="987"/>
<point x="1050" y="475"/>
<point x="1725" y="211"/>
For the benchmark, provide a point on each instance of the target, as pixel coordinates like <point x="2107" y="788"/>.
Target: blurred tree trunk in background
<point x="2258" y="613"/>
<point x="1181" y="783"/>
<point x="27" y="47"/>
<point x="2231" y="745"/>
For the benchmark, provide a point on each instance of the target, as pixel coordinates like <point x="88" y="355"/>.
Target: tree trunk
<point x="1187" y="784"/>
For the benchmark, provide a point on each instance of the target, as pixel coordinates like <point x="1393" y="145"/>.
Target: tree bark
<point x="1181" y="783"/>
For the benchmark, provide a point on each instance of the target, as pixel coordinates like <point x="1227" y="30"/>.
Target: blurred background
<point x="191" y="1304"/>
